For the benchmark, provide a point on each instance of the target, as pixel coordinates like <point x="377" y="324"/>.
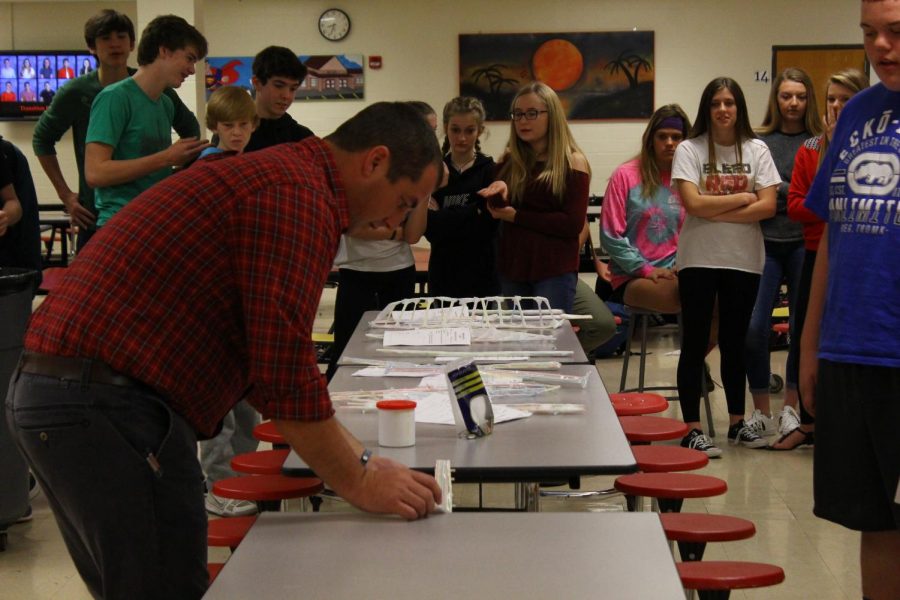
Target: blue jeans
<point x="784" y="260"/>
<point x="133" y="530"/>
<point x="559" y="290"/>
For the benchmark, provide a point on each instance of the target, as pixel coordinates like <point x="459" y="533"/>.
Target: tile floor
<point x="774" y="490"/>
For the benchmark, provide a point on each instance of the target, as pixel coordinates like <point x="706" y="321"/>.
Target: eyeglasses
<point x="531" y="114"/>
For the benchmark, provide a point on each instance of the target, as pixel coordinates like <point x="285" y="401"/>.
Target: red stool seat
<point x="264" y="462"/>
<point x="665" y="459"/>
<point x="670" y="485"/>
<point x="781" y="327"/>
<point x="669" y="489"/>
<point x="258" y="488"/>
<point x="228" y="532"/>
<point x="51" y="278"/>
<point x="214" y="569"/>
<point x="266" y="432"/>
<point x="637" y="403"/>
<point x="727" y="575"/>
<point x="703" y="527"/>
<point x="643" y="429"/>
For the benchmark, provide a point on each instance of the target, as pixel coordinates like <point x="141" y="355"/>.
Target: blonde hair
<point x="852" y="79"/>
<point x="773" y="119"/>
<point x="230" y="103"/>
<point x="561" y="147"/>
<point x="463" y="105"/>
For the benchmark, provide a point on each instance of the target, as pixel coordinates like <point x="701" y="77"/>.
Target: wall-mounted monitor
<point x="30" y="78"/>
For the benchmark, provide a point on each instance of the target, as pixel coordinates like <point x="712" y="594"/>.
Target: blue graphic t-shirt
<point x="856" y="192"/>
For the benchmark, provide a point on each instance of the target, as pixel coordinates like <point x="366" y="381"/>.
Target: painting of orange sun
<point x="558" y="63"/>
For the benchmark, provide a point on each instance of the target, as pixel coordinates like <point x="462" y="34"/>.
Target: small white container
<point x="396" y="423"/>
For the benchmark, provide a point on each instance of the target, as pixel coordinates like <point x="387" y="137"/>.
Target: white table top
<point x="459" y="555"/>
<point x="539" y="448"/>
<point x="361" y="347"/>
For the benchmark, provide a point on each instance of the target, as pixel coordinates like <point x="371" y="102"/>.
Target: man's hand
<point x="391" y="488"/>
<point x="184" y="150"/>
<point x="78" y="214"/>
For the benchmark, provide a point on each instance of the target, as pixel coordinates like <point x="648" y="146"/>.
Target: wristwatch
<point x="364" y="457"/>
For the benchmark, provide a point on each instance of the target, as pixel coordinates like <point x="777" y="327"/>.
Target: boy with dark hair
<point x="277" y="73"/>
<point x="110" y="37"/>
<point x="128" y="145"/>
<point x="144" y="368"/>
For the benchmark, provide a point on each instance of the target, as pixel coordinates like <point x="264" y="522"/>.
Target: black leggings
<point x="809" y="261"/>
<point x="698" y="289"/>
<point x="359" y="291"/>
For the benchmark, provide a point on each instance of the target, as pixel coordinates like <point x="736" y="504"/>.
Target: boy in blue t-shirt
<point x="850" y="352"/>
<point x="129" y="145"/>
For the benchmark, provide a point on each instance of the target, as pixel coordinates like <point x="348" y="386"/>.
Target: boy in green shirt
<point x="129" y="145"/>
<point x="110" y="37"/>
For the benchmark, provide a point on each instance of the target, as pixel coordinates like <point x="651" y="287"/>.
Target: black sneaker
<point x="741" y="433"/>
<point x="697" y="440"/>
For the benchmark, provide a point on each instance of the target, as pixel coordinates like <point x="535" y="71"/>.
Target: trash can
<point x="16" y="294"/>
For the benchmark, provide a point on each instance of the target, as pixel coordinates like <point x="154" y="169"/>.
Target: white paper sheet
<point x="434" y="407"/>
<point x="443" y="336"/>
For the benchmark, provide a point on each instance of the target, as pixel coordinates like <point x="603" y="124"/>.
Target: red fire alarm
<point x="374" y="62"/>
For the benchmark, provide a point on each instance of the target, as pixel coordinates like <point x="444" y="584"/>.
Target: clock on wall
<point x="334" y="24"/>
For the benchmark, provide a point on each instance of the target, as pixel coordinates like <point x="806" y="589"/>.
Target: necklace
<point x="462" y="167"/>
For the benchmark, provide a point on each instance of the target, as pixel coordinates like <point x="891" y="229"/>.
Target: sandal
<point x="808" y="440"/>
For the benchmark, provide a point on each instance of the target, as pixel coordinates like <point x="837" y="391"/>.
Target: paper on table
<point x="443" y="336"/>
<point x="399" y="371"/>
<point x="434" y="408"/>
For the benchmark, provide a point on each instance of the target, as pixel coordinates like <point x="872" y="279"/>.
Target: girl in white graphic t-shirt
<point x="727" y="180"/>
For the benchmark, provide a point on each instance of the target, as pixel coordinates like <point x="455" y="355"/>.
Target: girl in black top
<point x="460" y="229"/>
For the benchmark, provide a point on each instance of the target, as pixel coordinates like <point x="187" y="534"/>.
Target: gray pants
<point x="120" y="471"/>
<point x="602" y="325"/>
<point x="236" y="437"/>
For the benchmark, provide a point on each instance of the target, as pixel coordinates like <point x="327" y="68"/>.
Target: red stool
<point x="666" y="459"/>
<point x="643" y="430"/>
<point x="668" y="490"/>
<point x="267" y="491"/>
<point x="50" y="279"/>
<point x="266" y="432"/>
<point x="214" y="569"/>
<point x="264" y="462"/>
<point x="229" y="532"/>
<point x="716" y="579"/>
<point x="628" y="404"/>
<point x="692" y="531"/>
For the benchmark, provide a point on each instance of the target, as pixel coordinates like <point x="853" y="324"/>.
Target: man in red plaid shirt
<point x="200" y="292"/>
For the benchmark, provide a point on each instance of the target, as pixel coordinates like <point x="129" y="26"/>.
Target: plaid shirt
<point x="205" y="287"/>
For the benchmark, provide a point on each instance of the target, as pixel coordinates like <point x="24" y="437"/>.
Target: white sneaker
<point x="226" y="507"/>
<point x="788" y="420"/>
<point x="761" y="425"/>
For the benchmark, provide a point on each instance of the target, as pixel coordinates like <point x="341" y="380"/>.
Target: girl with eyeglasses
<point x="726" y="179"/>
<point x="841" y="86"/>
<point x="460" y="229"/>
<point x="541" y="197"/>
<point x="791" y="118"/>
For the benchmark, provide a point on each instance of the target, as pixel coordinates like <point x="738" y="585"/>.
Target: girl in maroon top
<point x="541" y="197"/>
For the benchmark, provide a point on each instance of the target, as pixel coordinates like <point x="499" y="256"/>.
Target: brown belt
<point x="73" y="368"/>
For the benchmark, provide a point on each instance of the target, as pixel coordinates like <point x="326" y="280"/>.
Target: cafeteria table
<point x="458" y="555"/>
<point x="543" y="447"/>
<point x="361" y="348"/>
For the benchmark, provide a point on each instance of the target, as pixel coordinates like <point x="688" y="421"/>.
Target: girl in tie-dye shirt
<point x="642" y="216"/>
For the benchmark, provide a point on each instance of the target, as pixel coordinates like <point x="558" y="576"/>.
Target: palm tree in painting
<point x="625" y="62"/>
<point x="494" y="78"/>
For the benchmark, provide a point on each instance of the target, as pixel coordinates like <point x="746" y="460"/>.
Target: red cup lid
<point x="396" y="404"/>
